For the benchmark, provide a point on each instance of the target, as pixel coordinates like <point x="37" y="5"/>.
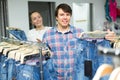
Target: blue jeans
<point x="106" y="77"/>
<point x="87" y="50"/>
<point x="80" y="58"/>
<point x="19" y="34"/>
<point x="27" y="72"/>
<point x="11" y="69"/>
<point x="3" y="72"/>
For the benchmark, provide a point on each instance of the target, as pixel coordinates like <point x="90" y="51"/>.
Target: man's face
<point x="63" y="18"/>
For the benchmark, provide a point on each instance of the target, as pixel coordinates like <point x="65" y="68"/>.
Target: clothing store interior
<point x="59" y="39"/>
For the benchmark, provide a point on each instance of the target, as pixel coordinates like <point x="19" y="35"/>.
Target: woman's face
<point x="36" y="19"/>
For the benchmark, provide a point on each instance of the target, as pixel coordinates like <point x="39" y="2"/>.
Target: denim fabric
<point x="100" y="59"/>
<point x="11" y="69"/>
<point x="0" y="65"/>
<point x="80" y="51"/>
<point x="4" y="65"/>
<point x="19" y="34"/>
<point x="87" y="50"/>
<point x="27" y="72"/>
<point x="106" y="77"/>
<point x="7" y="68"/>
<point x="0" y="71"/>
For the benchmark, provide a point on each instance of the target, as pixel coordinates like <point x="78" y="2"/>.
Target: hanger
<point x="11" y="48"/>
<point x="12" y="28"/>
<point x="4" y="46"/>
<point x="93" y="35"/>
<point x="118" y="77"/>
<point x="32" y="50"/>
<point x="117" y="43"/>
<point x="9" y="44"/>
<point x="20" y="53"/>
<point x="115" y="74"/>
<point x="109" y="51"/>
<point x="103" y="70"/>
<point x="36" y="51"/>
<point x="3" y="43"/>
<point x="13" y="53"/>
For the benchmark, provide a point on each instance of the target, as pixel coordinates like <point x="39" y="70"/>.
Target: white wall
<point x="18" y="12"/>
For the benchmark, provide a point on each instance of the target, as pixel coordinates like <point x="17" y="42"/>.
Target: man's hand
<point x="38" y="40"/>
<point x="111" y="36"/>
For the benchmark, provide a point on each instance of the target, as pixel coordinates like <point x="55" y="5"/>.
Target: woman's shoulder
<point x="31" y="30"/>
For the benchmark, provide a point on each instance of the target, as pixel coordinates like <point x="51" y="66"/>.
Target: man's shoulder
<point x="76" y="28"/>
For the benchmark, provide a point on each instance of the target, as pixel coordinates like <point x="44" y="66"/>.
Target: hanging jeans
<point x="80" y="58"/>
<point x="8" y="69"/>
<point x="19" y="34"/>
<point x="87" y="50"/>
<point x="106" y="77"/>
<point x="28" y="72"/>
<point x="3" y="72"/>
<point x="11" y="69"/>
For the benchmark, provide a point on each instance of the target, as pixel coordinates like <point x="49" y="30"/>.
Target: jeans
<point x="80" y="58"/>
<point x="19" y="34"/>
<point x="4" y="65"/>
<point x="27" y="72"/>
<point x="87" y="50"/>
<point x="11" y="69"/>
<point x="103" y="58"/>
<point x="106" y="77"/>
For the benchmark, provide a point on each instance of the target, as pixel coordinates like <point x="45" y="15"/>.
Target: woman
<point x="39" y="29"/>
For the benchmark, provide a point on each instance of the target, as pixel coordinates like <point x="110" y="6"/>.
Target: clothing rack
<point x="110" y="71"/>
<point x="109" y="51"/>
<point x="114" y="52"/>
<point x="41" y="46"/>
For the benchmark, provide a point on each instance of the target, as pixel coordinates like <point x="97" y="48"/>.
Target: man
<point x="62" y="41"/>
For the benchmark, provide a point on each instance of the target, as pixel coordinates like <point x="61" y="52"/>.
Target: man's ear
<point x="56" y="18"/>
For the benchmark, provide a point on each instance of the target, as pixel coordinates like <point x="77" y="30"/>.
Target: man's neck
<point x="63" y="29"/>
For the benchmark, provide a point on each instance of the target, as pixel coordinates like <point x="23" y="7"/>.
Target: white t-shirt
<point x="34" y="34"/>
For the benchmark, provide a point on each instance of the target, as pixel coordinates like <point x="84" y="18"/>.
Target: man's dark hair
<point x="64" y="7"/>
